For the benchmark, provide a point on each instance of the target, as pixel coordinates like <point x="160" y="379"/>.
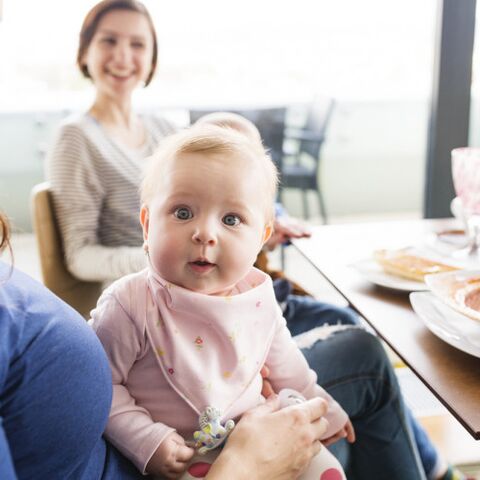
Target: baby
<point x="234" y="121"/>
<point x="188" y="335"/>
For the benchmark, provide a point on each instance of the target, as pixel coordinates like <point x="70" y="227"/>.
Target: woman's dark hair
<point x="90" y="25"/>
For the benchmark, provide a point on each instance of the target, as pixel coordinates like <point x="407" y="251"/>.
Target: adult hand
<point x="286" y="228"/>
<point x="272" y="443"/>
<point x="347" y="431"/>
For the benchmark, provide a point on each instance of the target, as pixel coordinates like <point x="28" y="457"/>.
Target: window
<point x="374" y="57"/>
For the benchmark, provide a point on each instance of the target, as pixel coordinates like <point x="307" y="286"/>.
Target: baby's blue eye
<point x="231" y="220"/>
<point x="183" y="213"/>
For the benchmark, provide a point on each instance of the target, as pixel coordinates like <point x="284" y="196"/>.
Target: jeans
<point x="359" y="376"/>
<point x="305" y="313"/>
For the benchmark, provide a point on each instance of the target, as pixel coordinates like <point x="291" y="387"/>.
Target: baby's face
<point x="207" y="223"/>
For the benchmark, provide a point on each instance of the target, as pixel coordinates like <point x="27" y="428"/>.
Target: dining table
<point x="452" y="375"/>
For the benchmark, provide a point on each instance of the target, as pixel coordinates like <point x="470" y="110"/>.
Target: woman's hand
<point x="347" y="431"/>
<point x="272" y="443"/>
<point x="285" y="228"/>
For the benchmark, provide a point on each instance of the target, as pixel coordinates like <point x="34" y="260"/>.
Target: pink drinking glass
<point x="466" y="180"/>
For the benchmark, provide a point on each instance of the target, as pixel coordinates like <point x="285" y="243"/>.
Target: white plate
<point x="374" y="273"/>
<point x="451" y="288"/>
<point x="452" y="327"/>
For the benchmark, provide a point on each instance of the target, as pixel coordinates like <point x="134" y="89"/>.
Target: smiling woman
<point x="107" y="145"/>
<point x="133" y="37"/>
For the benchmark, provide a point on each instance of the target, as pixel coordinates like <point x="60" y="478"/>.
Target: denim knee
<point x="348" y="354"/>
<point x="363" y="349"/>
<point x="305" y="313"/>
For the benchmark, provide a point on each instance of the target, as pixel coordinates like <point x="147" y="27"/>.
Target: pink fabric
<point x="173" y="352"/>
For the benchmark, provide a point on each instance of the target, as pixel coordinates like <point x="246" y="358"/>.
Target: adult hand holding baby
<point x="347" y="431"/>
<point x="272" y="443"/>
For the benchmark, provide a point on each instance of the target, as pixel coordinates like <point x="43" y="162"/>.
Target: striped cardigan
<point x="95" y="186"/>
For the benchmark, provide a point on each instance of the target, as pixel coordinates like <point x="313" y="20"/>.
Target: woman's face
<point x="119" y="57"/>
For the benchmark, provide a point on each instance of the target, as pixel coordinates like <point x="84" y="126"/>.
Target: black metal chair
<point x="269" y="121"/>
<point x="300" y="167"/>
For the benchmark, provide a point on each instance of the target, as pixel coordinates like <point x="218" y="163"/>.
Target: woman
<point x="94" y="169"/>
<point x="55" y="394"/>
<point x="95" y="165"/>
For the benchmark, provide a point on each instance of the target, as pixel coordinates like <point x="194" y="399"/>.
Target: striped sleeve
<point x="74" y="169"/>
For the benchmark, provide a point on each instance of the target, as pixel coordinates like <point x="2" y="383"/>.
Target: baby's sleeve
<point x="289" y="369"/>
<point x="130" y="427"/>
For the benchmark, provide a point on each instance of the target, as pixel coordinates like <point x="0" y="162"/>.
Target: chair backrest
<point x="81" y="295"/>
<point x="318" y="118"/>
<point x="269" y="121"/>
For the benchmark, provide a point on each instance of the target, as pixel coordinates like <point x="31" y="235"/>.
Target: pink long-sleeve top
<point x="173" y="352"/>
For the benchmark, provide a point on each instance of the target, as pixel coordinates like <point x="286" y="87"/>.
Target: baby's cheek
<point x="163" y="260"/>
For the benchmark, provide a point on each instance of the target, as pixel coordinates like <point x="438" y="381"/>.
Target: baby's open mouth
<point x="202" y="266"/>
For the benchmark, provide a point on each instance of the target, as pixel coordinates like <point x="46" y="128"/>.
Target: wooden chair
<point x="80" y="295"/>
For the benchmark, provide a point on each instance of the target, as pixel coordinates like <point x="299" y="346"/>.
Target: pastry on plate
<point x="460" y="290"/>
<point x="468" y="298"/>
<point x="407" y="263"/>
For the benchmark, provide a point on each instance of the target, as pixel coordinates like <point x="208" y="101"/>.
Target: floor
<point x="449" y="436"/>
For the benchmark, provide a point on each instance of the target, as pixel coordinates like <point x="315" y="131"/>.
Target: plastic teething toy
<point x="212" y="433"/>
<point x="289" y="396"/>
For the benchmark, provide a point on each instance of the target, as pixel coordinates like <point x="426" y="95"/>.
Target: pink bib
<point x="211" y="348"/>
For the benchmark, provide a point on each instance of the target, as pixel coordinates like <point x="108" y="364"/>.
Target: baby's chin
<point x="215" y="290"/>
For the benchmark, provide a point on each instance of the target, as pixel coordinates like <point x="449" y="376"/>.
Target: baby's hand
<point x="346" y="432"/>
<point x="171" y="457"/>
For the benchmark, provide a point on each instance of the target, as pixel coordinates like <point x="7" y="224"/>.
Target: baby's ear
<point x="267" y="233"/>
<point x="144" y="220"/>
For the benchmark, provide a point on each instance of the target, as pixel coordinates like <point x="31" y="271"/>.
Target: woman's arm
<point x="272" y="443"/>
<point x="75" y="172"/>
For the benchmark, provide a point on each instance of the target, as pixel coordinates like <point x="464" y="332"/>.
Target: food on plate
<point x="467" y="297"/>
<point x="407" y="264"/>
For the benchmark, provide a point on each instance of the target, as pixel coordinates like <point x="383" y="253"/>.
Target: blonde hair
<point x="233" y="121"/>
<point x="211" y="140"/>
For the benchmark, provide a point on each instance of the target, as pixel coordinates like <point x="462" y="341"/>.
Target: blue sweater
<point x="55" y="389"/>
